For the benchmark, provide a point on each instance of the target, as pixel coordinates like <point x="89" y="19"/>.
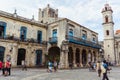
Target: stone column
<point x="66" y="59"/>
<point x="87" y="64"/>
<point x="92" y="56"/>
<point x="14" y="54"/>
<point x="81" y="58"/>
<point x="64" y="55"/>
<point x="61" y="63"/>
<point x="74" y="58"/>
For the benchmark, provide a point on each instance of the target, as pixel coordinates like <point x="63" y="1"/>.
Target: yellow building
<point x="49" y="38"/>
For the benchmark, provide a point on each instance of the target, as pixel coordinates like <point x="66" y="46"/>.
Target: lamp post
<point x="101" y="54"/>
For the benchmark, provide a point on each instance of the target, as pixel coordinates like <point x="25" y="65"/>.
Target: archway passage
<point x="77" y="56"/>
<point x="2" y="50"/>
<point x="89" y="56"/>
<point x="70" y="55"/>
<point x="94" y="56"/>
<point x="54" y="54"/>
<point x="21" y="55"/>
<point x="38" y="57"/>
<point x="84" y="57"/>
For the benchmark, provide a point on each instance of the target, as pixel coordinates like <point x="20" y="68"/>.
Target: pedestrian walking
<point x="55" y="66"/>
<point x="104" y="69"/>
<point x="50" y="66"/>
<point x="8" y="67"/>
<point x="0" y="65"/>
<point x="98" y="68"/>
<point x="71" y="65"/>
<point x="24" y="65"/>
<point x="3" y="68"/>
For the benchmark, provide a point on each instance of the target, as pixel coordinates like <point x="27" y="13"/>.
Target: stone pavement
<point x="75" y="74"/>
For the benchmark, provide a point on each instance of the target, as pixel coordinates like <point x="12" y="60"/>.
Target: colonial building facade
<point x="49" y="38"/>
<point x="111" y="40"/>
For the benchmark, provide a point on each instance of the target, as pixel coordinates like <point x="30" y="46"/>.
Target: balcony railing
<point x="53" y="40"/>
<point x="17" y="39"/>
<point x="82" y="42"/>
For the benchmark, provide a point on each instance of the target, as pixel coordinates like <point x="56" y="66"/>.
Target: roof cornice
<point x="21" y="19"/>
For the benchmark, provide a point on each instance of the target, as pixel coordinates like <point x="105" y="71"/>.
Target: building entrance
<point x="2" y="50"/>
<point x="21" y="56"/>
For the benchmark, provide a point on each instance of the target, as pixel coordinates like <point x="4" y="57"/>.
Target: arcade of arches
<point x="79" y="57"/>
<point x="54" y="54"/>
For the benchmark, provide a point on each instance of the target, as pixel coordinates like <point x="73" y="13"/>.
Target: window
<point x="106" y="8"/>
<point x="2" y="29"/>
<point x="70" y="32"/>
<point x="39" y="36"/>
<point x="54" y="33"/>
<point x="93" y="40"/>
<point x="106" y="19"/>
<point x="23" y="32"/>
<point x="107" y="32"/>
<point x="84" y="34"/>
<point x="51" y="13"/>
<point x="84" y="37"/>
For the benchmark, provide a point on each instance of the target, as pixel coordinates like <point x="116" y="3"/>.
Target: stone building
<point x="49" y="38"/>
<point x="111" y="40"/>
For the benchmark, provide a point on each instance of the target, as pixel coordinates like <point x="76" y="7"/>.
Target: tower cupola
<point x="107" y="8"/>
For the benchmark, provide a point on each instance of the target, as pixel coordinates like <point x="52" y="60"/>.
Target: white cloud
<point x="85" y="12"/>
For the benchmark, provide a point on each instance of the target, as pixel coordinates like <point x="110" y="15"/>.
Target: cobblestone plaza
<point x="74" y="74"/>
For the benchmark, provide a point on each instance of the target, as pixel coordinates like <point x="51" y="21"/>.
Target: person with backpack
<point x="50" y="66"/>
<point x="104" y="70"/>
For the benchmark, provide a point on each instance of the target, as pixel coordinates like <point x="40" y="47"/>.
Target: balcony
<point x="53" y="40"/>
<point x="82" y="42"/>
<point x="17" y="39"/>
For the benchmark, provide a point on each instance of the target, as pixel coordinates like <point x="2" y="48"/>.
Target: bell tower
<point x="108" y="29"/>
<point x="47" y="15"/>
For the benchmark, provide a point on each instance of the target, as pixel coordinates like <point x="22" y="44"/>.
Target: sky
<point x="84" y="12"/>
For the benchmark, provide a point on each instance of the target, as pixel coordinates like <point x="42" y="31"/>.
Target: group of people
<point x="5" y="67"/>
<point x="52" y="66"/>
<point x="102" y="68"/>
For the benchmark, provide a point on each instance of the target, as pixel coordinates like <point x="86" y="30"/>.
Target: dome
<point x="117" y="32"/>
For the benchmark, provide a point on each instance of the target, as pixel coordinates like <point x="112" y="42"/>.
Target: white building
<point x="111" y="40"/>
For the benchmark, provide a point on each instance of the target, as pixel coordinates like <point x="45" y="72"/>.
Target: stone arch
<point x="94" y="56"/>
<point x="2" y="52"/>
<point x="21" y="55"/>
<point x="89" y="56"/>
<point x="70" y="55"/>
<point x="84" y="57"/>
<point x="54" y="53"/>
<point x="77" y="56"/>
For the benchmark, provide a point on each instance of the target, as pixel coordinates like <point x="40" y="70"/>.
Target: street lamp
<point x="101" y="54"/>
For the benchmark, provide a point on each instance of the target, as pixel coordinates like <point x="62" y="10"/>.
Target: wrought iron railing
<point x="30" y="40"/>
<point x="53" y="40"/>
<point x="80" y="41"/>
